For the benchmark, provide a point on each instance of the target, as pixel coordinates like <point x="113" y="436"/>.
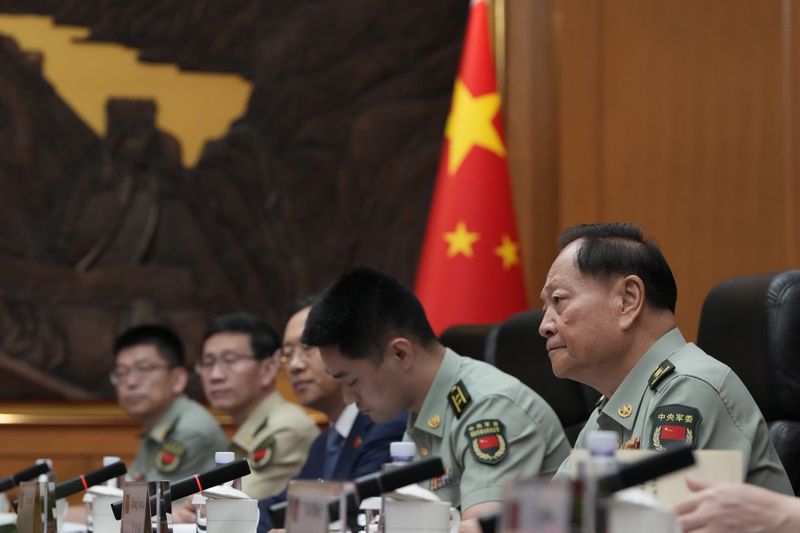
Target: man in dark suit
<point x="353" y="445"/>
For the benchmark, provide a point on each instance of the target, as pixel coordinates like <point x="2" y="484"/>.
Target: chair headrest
<point x="522" y="352"/>
<point x="752" y="324"/>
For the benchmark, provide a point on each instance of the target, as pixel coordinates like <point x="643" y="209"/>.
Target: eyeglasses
<point x="287" y="351"/>
<point x="123" y="373"/>
<point x="226" y="360"/>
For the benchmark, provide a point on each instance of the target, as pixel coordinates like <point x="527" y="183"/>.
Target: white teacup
<point x="420" y="517"/>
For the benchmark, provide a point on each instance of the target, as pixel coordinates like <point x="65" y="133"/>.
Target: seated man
<point x="609" y="302"/>
<point x="238" y="371"/>
<point x="179" y="437"/>
<point x="485" y="425"/>
<point x="353" y="445"/>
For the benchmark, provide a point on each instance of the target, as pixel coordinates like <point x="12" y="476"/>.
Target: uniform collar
<point x="166" y="423"/>
<point x="255" y="423"/>
<point x="627" y="398"/>
<point x="346" y="420"/>
<point x="436" y="402"/>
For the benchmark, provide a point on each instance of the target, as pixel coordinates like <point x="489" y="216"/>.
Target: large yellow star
<point x="508" y="252"/>
<point x="460" y="240"/>
<point x="470" y="124"/>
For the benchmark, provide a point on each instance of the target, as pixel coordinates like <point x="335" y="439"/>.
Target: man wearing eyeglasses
<point x="238" y="372"/>
<point x="179" y="436"/>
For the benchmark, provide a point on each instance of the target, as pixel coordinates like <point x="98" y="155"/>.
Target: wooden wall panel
<point x="674" y="116"/>
<point x="532" y="138"/>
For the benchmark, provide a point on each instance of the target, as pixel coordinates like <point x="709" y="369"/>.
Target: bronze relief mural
<point x="330" y="166"/>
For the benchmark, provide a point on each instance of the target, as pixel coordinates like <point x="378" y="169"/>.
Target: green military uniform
<point x="487" y="427"/>
<point x="275" y="439"/>
<point x="677" y="394"/>
<point x="182" y="443"/>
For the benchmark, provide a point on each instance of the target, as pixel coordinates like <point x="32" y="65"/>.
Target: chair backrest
<point x="521" y="352"/>
<point x="752" y="324"/>
<point x="472" y="340"/>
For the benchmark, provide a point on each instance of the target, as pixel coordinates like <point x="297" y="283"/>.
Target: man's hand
<point x="184" y="513"/>
<point x="736" y="508"/>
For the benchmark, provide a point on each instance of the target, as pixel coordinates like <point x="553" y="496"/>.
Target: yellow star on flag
<point x="470" y="124"/>
<point x="460" y="240"/>
<point x="508" y="252"/>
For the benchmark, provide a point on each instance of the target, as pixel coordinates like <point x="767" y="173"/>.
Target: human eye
<point x="144" y="367"/>
<point x="230" y="358"/>
<point x="206" y="361"/>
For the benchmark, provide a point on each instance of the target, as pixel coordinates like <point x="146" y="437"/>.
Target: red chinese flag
<point x="470" y="270"/>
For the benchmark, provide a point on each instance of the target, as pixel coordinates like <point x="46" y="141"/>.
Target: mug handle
<point x="455" y="520"/>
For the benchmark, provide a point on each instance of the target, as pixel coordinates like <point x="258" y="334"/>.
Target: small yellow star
<point x="460" y="240"/>
<point x="470" y="124"/>
<point x="508" y="252"/>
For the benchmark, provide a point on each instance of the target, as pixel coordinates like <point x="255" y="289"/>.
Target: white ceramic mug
<point x="420" y="517"/>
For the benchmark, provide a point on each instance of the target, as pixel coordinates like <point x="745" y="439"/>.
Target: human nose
<point x="547" y="327"/>
<point x="296" y="363"/>
<point x="217" y="371"/>
<point x="349" y="395"/>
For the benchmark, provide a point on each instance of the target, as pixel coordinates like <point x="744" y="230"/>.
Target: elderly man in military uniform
<point x="609" y="320"/>
<point x="238" y="372"/>
<point x="486" y="426"/>
<point x="179" y="436"/>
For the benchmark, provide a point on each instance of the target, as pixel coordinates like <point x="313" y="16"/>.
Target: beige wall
<point x="679" y="116"/>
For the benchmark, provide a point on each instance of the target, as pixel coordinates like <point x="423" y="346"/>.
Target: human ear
<point x="268" y="371"/>
<point x="402" y="351"/>
<point x="633" y="297"/>
<point x="179" y="377"/>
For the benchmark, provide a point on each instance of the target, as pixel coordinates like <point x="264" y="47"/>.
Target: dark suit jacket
<point x="364" y="452"/>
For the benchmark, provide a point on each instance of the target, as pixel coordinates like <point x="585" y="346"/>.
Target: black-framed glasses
<point x="226" y="360"/>
<point x="123" y="373"/>
<point x="286" y="352"/>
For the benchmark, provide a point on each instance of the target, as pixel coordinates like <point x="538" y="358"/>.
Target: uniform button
<point x="424" y="451"/>
<point x="434" y="422"/>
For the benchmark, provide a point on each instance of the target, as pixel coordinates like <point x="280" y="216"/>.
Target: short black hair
<point x="263" y="339"/>
<point x="621" y="249"/>
<point x="166" y="342"/>
<point x="301" y="303"/>
<point x="361" y="310"/>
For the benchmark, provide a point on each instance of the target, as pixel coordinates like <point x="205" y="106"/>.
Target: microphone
<point x="95" y="477"/>
<point x="628" y="475"/>
<point x="194" y="484"/>
<point x="657" y="465"/>
<point x="373" y="485"/>
<point x="23" y="475"/>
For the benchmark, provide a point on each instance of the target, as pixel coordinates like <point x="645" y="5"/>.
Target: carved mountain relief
<point x="331" y="166"/>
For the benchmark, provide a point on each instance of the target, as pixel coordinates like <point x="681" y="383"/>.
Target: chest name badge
<point x="487" y="441"/>
<point x="442" y="481"/>
<point x="459" y="398"/>
<point x="169" y="457"/>
<point x="674" y="426"/>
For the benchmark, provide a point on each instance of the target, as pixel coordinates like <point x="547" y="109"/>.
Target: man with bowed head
<point x="352" y="445"/>
<point x="609" y="302"/>
<point x="485" y="425"/>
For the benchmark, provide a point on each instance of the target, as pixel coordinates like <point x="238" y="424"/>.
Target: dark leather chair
<point x="472" y="340"/>
<point x="521" y="352"/>
<point x="752" y="324"/>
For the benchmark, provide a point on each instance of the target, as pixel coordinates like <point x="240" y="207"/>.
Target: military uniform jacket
<point x="275" y="439"/>
<point x="487" y="427"/>
<point x="677" y="394"/>
<point x="182" y="443"/>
